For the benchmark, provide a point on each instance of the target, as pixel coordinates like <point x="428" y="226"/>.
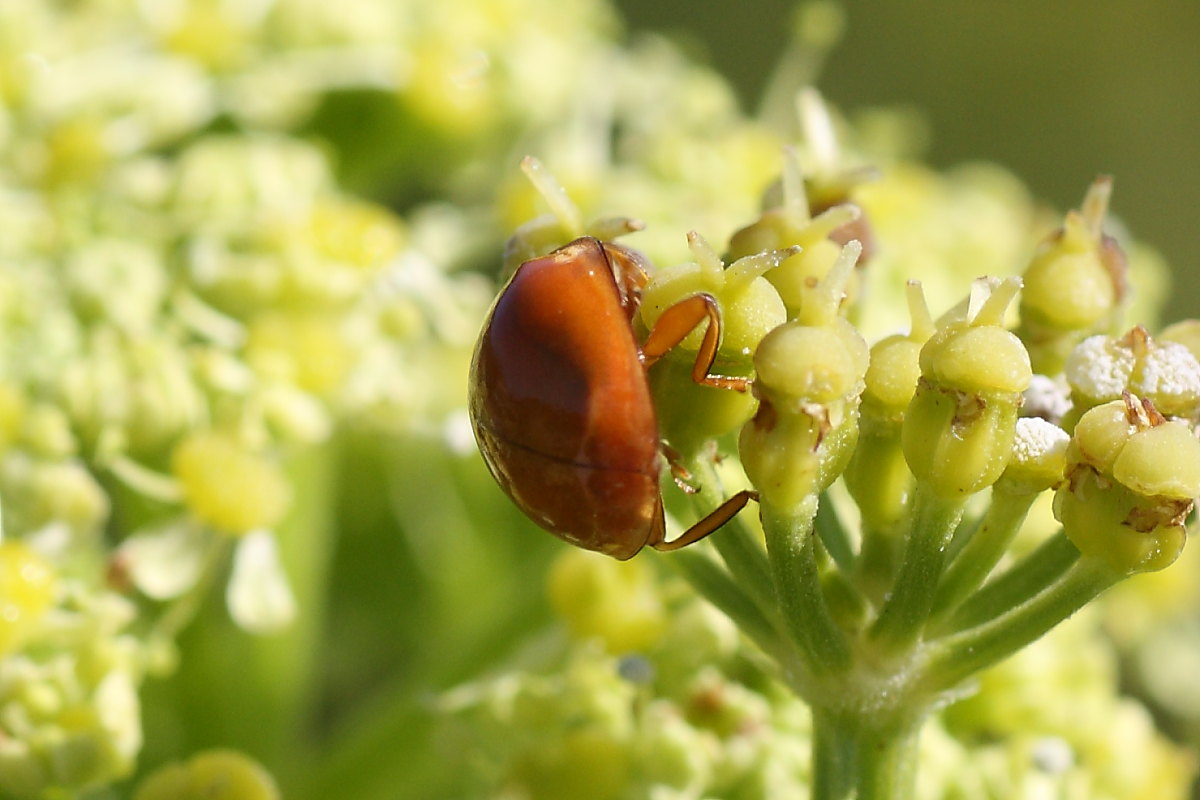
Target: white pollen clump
<point x="1036" y="439"/>
<point x="1100" y="368"/>
<point x="1170" y="375"/>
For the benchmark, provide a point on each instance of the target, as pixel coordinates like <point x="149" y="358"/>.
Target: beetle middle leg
<point x="676" y="323"/>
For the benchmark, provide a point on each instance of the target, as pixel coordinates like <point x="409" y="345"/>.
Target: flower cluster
<point x="946" y="442"/>
<point x="243" y="250"/>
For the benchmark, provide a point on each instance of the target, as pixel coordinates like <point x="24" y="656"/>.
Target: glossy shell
<point x="560" y="403"/>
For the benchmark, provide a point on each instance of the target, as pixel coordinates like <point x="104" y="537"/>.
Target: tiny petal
<point x="259" y="597"/>
<point x="164" y="561"/>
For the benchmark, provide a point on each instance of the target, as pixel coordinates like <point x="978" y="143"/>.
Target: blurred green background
<point x="1056" y="91"/>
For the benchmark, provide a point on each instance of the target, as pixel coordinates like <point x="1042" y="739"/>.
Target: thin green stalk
<point x="1028" y="577"/>
<point x="833" y="534"/>
<point x="737" y="542"/>
<point x="956" y="657"/>
<point x="715" y="585"/>
<point x="906" y="611"/>
<point x="982" y="551"/>
<point x="791" y="546"/>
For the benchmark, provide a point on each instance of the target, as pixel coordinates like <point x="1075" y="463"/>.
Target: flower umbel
<point x="876" y="628"/>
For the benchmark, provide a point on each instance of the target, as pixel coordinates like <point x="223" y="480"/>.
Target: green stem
<point x="957" y="657"/>
<point x="715" y="585"/>
<point x="737" y="543"/>
<point x="982" y="551"/>
<point x="876" y="566"/>
<point x="906" y="611"/>
<point x="864" y="755"/>
<point x="834" y="757"/>
<point x="1028" y="577"/>
<point x="791" y="546"/>
<point x="833" y="534"/>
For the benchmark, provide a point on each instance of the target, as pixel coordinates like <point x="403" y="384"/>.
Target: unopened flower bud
<point x="1132" y="476"/>
<point x="878" y="476"/>
<point x="1075" y="284"/>
<point x="791" y="225"/>
<point x="809" y="380"/>
<point x="226" y="485"/>
<point x="541" y="235"/>
<point x="223" y="774"/>
<point x="958" y="431"/>
<point x="749" y="308"/>
<point x="27" y="585"/>
<point x="616" y="601"/>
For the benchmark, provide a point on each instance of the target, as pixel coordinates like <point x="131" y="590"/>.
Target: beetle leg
<point x="679" y="473"/>
<point x="710" y="523"/>
<point x="676" y="323"/>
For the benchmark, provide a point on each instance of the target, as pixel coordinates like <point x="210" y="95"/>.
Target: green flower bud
<point x="235" y="183"/>
<point x="307" y="350"/>
<point x="227" y="486"/>
<point x="120" y="282"/>
<point x="354" y="233"/>
<point x="582" y="762"/>
<point x="617" y="602"/>
<point x="672" y="751"/>
<point x="67" y="493"/>
<point x="956" y="442"/>
<point x="27" y="587"/>
<point x="958" y="431"/>
<point x="541" y="235"/>
<point x="809" y="379"/>
<point x="210" y="775"/>
<point x="1102" y="368"/>
<point x="72" y="718"/>
<point x="1132" y="477"/>
<point x="48" y="433"/>
<point x="142" y="386"/>
<point x="892" y="376"/>
<point x="878" y="476"/>
<point x="1075" y="284"/>
<point x="790" y="224"/>
<point x="750" y="307"/>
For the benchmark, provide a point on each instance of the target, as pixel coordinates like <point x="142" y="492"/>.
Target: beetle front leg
<point x="676" y="323"/>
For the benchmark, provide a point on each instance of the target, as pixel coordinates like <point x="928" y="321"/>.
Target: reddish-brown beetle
<point x="561" y="405"/>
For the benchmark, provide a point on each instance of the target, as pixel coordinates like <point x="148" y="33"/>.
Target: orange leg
<point x="676" y="323"/>
<point x="704" y="527"/>
<point x="679" y="473"/>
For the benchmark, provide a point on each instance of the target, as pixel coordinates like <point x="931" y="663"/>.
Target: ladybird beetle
<point x="561" y="406"/>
